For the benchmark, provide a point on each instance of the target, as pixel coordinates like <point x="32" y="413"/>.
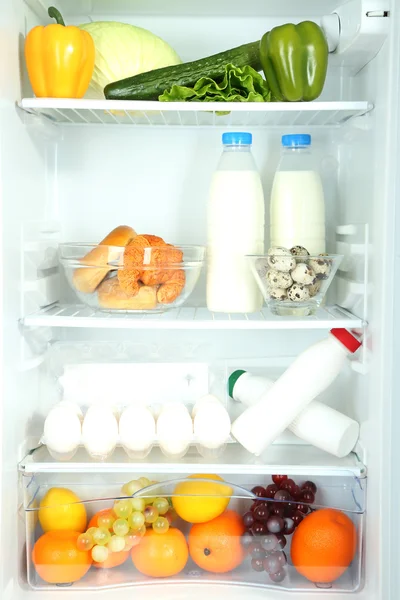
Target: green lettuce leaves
<point x="238" y="85"/>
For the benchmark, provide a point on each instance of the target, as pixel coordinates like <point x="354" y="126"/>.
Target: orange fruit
<point x="115" y="559"/>
<point x="323" y="545"/>
<point x="216" y="546"/>
<point x="161" y="555"/>
<point x="93" y="521"/>
<point x="57" y="558"/>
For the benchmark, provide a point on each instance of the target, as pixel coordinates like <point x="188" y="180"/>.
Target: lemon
<point x="201" y="501"/>
<point x="62" y="509"/>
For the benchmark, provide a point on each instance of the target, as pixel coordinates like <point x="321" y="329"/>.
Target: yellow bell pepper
<point x="59" y="59"/>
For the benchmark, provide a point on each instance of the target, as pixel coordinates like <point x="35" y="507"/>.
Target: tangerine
<point x="57" y="558"/>
<point x="161" y="555"/>
<point x="216" y="546"/>
<point x="114" y="559"/>
<point x="106" y="512"/>
<point x="323" y="545"/>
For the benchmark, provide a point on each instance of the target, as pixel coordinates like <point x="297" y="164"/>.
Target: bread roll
<point x="87" y="279"/>
<point x="111" y="295"/>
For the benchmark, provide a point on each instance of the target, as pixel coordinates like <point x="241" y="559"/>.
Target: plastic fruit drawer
<point x="83" y="534"/>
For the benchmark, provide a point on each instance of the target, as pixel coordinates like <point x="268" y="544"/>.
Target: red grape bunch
<point x="281" y="507"/>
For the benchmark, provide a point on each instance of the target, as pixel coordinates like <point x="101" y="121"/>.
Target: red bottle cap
<point x="347" y="339"/>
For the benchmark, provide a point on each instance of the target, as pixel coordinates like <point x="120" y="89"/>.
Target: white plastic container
<point x="310" y="374"/>
<point x="236" y="221"/>
<point x="317" y="424"/>
<point x="297" y="208"/>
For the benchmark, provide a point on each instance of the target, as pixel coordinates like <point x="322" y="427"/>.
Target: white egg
<point x="137" y="428"/>
<point x="100" y="431"/>
<point x="204" y="400"/>
<point x="73" y="407"/>
<point x="174" y="430"/>
<point x="62" y="430"/>
<point x="212" y="425"/>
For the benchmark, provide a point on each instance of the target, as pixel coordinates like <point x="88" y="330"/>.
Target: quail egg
<point x="276" y="279"/>
<point x="321" y="267"/>
<point x="280" y="259"/>
<point x="262" y="267"/>
<point x="298" y="293"/>
<point x="303" y="274"/>
<point x="314" y="288"/>
<point x="299" y="251"/>
<point x="277" y="294"/>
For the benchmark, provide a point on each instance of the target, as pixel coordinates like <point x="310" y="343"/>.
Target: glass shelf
<point x="194" y="114"/>
<point x="187" y="318"/>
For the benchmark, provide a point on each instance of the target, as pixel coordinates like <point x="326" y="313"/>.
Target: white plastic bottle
<point x="318" y="424"/>
<point x="309" y="374"/>
<point x="236" y="222"/>
<point x="297" y="209"/>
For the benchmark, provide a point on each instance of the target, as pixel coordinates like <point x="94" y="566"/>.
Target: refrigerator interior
<point x="76" y="181"/>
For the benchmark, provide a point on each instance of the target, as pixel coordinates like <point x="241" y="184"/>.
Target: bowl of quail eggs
<point x="292" y="281"/>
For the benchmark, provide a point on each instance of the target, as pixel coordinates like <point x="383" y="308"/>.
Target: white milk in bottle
<point x="236" y="220"/>
<point x="297" y="209"/>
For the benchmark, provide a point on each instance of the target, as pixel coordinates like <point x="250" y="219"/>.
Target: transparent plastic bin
<point x="346" y="494"/>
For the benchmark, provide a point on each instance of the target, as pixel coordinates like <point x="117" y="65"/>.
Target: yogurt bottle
<point x="297" y="209"/>
<point x="308" y="376"/>
<point x="235" y="225"/>
<point x="318" y="424"/>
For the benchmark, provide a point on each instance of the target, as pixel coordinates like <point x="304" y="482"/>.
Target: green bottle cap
<point x="232" y="381"/>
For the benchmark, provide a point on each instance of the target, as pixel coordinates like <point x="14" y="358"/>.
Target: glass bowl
<point x="131" y="279"/>
<point x="294" y="286"/>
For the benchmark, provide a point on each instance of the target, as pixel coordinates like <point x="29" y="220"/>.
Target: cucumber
<point x="150" y="85"/>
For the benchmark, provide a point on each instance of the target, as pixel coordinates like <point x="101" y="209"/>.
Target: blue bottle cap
<point x="295" y="140"/>
<point x="237" y="139"/>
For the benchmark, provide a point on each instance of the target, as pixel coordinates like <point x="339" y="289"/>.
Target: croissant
<point x="169" y="291"/>
<point x="148" y="251"/>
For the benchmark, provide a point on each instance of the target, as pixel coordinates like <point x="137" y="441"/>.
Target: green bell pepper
<point x="294" y="59"/>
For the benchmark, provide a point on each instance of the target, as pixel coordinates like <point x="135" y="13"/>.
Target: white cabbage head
<point x="124" y="50"/>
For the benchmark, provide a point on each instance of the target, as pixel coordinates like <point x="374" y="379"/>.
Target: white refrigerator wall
<point x="90" y="179"/>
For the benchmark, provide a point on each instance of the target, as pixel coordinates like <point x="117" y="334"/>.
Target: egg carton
<point x="138" y="429"/>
